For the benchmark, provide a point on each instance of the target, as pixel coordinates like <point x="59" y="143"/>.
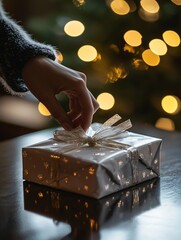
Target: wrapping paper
<point x="91" y="214"/>
<point x="93" y="169"/>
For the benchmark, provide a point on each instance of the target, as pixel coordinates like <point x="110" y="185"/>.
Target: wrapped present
<point x="102" y="161"/>
<point x="82" y="212"/>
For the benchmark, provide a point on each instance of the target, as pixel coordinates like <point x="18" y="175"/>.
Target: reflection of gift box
<point x="94" y="171"/>
<point x="92" y="214"/>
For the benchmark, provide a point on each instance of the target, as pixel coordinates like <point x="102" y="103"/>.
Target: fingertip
<point x="86" y="125"/>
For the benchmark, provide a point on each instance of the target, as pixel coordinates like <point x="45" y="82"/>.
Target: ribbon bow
<point x="105" y="136"/>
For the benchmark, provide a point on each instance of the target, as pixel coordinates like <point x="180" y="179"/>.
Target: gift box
<point x="103" y="161"/>
<point x="82" y="212"/>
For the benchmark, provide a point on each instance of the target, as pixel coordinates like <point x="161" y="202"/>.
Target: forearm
<point x="16" y="49"/>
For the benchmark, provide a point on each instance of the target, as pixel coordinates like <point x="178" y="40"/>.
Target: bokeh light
<point x="21" y="112"/>
<point x="177" y="2"/>
<point x="133" y="38"/>
<point x="59" y="57"/>
<point x="171" y="104"/>
<point x="106" y="101"/>
<point x="87" y="53"/>
<point x="158" y="46"/>
<point x="150" y="6"/>
<point x="43" y="110"/>
<point x="74" y="28"/>
<point x="165" y="124"/>
<point x="171" y="38"/>
<point x="120" y="7"/>
<point x="150" y="58"/>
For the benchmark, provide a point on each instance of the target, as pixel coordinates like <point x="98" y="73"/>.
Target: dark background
<point x="138" y="91"/>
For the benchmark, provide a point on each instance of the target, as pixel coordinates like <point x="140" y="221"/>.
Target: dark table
<point x="148" y="211"/>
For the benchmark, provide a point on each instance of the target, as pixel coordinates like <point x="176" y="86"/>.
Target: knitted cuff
<point x="16" y="49"/>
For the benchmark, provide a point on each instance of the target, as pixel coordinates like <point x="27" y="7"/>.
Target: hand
<point x="46" y="78"/>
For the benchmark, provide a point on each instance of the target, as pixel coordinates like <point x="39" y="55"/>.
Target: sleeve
<point x="16" y="49"/>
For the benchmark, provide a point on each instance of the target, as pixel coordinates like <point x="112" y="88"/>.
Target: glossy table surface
<point x="149" y="211"/>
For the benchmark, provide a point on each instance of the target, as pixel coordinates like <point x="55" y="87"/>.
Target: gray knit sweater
<point x="16" y="48"/>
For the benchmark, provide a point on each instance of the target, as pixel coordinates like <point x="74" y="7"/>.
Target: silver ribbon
<point x="105" y="136"/>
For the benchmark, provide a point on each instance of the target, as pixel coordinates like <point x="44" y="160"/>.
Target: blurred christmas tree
<point x="128" y="49"/>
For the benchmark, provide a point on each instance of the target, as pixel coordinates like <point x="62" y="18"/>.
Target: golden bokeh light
<point x="59" y="57"/>
<point x="150" y="58"/>
<point x="106" y="101"/>
<point x="74" y="28"/>
<point x="120" y="7"/>
<point x="176" y="2"/>
<point x="158" y="46"/>
<point x="150" y="6"/>
<point x="43" y="110"/>
<point x="171" y="38"/>
<point x="171" y="104"/>
<point x="165" y="124"/>
<point x="133" y="38"/>
<point x="87" y="53"/>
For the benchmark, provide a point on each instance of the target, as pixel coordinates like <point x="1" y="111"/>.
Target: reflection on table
<point x="88" y="216"/>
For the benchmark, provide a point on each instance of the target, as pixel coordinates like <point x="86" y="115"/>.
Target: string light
<point x="158" y="47"/>
<point x="106" y="101"/>
<point x="171" y="38"/>
<point x="133" y="38"/>
<point x="150" y="58"/>
<point x="43" y="110"/>
<point x="87" y="53"/>
<point x="171" y="104"/>
<point x="74" y="28"/>
<point x="120" y="7"/>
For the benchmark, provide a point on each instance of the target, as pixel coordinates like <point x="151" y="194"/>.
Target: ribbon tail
<point x="69" y="148"/>
<point x="112" y="120"/>
<point x="124" y="125"/>
<point x="113" y="132"/>
<point x="113" y="145"/>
